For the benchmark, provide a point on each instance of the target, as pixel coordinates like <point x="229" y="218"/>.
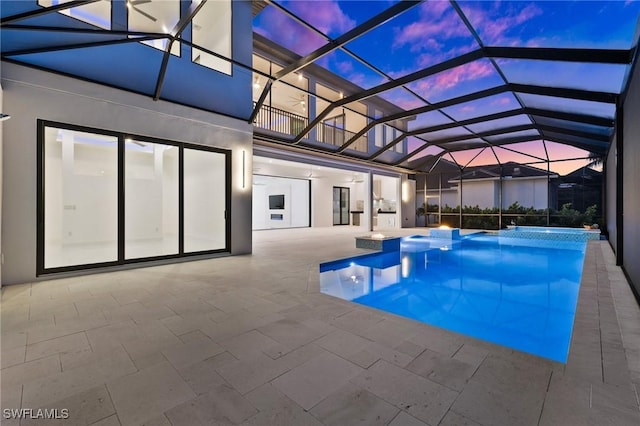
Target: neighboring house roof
<point x="585" y="172"/>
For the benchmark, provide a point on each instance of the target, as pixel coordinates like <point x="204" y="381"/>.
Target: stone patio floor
<point x="249" y="340"/>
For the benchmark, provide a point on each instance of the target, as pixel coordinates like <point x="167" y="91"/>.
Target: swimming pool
<point x="522" y="296"/>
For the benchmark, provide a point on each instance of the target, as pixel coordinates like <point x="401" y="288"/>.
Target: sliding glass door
<point x="81" y="198"/>
<point x="204" y="203"/>
<point x="340" y="205"/>
<point x="151" y="221"/>
<point x="107" y="198"/>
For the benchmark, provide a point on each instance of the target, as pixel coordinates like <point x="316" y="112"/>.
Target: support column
<point x="619" y="185"/>
<point x="370" y="200"/>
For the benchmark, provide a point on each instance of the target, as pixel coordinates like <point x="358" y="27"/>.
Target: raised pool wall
<point x="550" y="234"/>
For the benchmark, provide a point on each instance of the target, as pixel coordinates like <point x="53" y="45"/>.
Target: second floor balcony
<point x="278" y="120"/>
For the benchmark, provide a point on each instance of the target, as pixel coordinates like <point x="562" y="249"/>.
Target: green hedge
<point x="474" y="217"/>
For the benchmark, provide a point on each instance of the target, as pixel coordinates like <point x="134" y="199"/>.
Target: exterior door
<point x="340" y="205"/>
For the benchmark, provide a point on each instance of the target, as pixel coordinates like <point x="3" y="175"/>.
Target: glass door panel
<point x="151" y="199"/>
<point x="344" y="206"/>
<point x="205" y="201"/>
<point x="336" y="206"/>
<point x="80" y="182"/>
<point x="340" y="206"/>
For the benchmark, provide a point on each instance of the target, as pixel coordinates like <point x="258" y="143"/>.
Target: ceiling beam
<point x="561" y="92"/>
<point x="494" y="132"/>
<point x="602" y="56"/>
<point x="565" y="137"/>
<point x="80" y="45"/>
<point x="569" y="116"/>
<point x="573" y="132"/>
<point x="100" y="31"/>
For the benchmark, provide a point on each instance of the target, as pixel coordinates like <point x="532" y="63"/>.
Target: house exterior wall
<point x="481" y="193"/>
<point x="631" y="176"/>
<point x="527" y="192"/>
<point x="30" y="95"/>
<point x="449" y="198"/>
<point x="610" y="194"/>
<point x="1" y="179"/>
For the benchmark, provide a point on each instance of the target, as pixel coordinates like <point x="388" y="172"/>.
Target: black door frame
<point x="340" y="204"/>
<point x="122" y="136"/>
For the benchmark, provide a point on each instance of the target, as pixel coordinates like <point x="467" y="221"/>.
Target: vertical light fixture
<point x="244" y="153"/>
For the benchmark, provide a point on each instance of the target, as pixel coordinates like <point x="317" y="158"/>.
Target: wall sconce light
<point x="244" y="178"/>
<point x="406" y="195"/>
<point x="4" y="117"/>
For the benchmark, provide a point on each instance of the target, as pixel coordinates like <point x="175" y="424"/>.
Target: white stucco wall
<point x="31" y="95"/>
<point x="527" y="192"/>
<point x="481" y="193"/>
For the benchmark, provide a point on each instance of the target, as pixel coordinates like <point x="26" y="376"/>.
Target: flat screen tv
<point x="276" y="202"/>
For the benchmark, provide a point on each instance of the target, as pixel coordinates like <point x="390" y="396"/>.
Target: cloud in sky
<point x="484" y="106"/>
<point x="438" y="22"/>
<point x="502" y="101"/>
<point x="580" y="24"/>
<point x="496" y="26"/>
<point x="348" y="68"/>
<point x="433" y="87"/>
<point x="278" y="27"/>
<point x="402" y="98"/>
<point x="327" y="16"/>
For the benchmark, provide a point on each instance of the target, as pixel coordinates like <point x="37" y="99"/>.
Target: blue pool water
<point x="521" y="295"/>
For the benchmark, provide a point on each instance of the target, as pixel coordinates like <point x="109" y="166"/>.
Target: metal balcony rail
<point x="337" y="136"/>
<point x="280" y="121"/>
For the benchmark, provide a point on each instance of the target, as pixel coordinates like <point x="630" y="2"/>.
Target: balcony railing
<point x="281" y="121"/>
<point x="337" y="137"/>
